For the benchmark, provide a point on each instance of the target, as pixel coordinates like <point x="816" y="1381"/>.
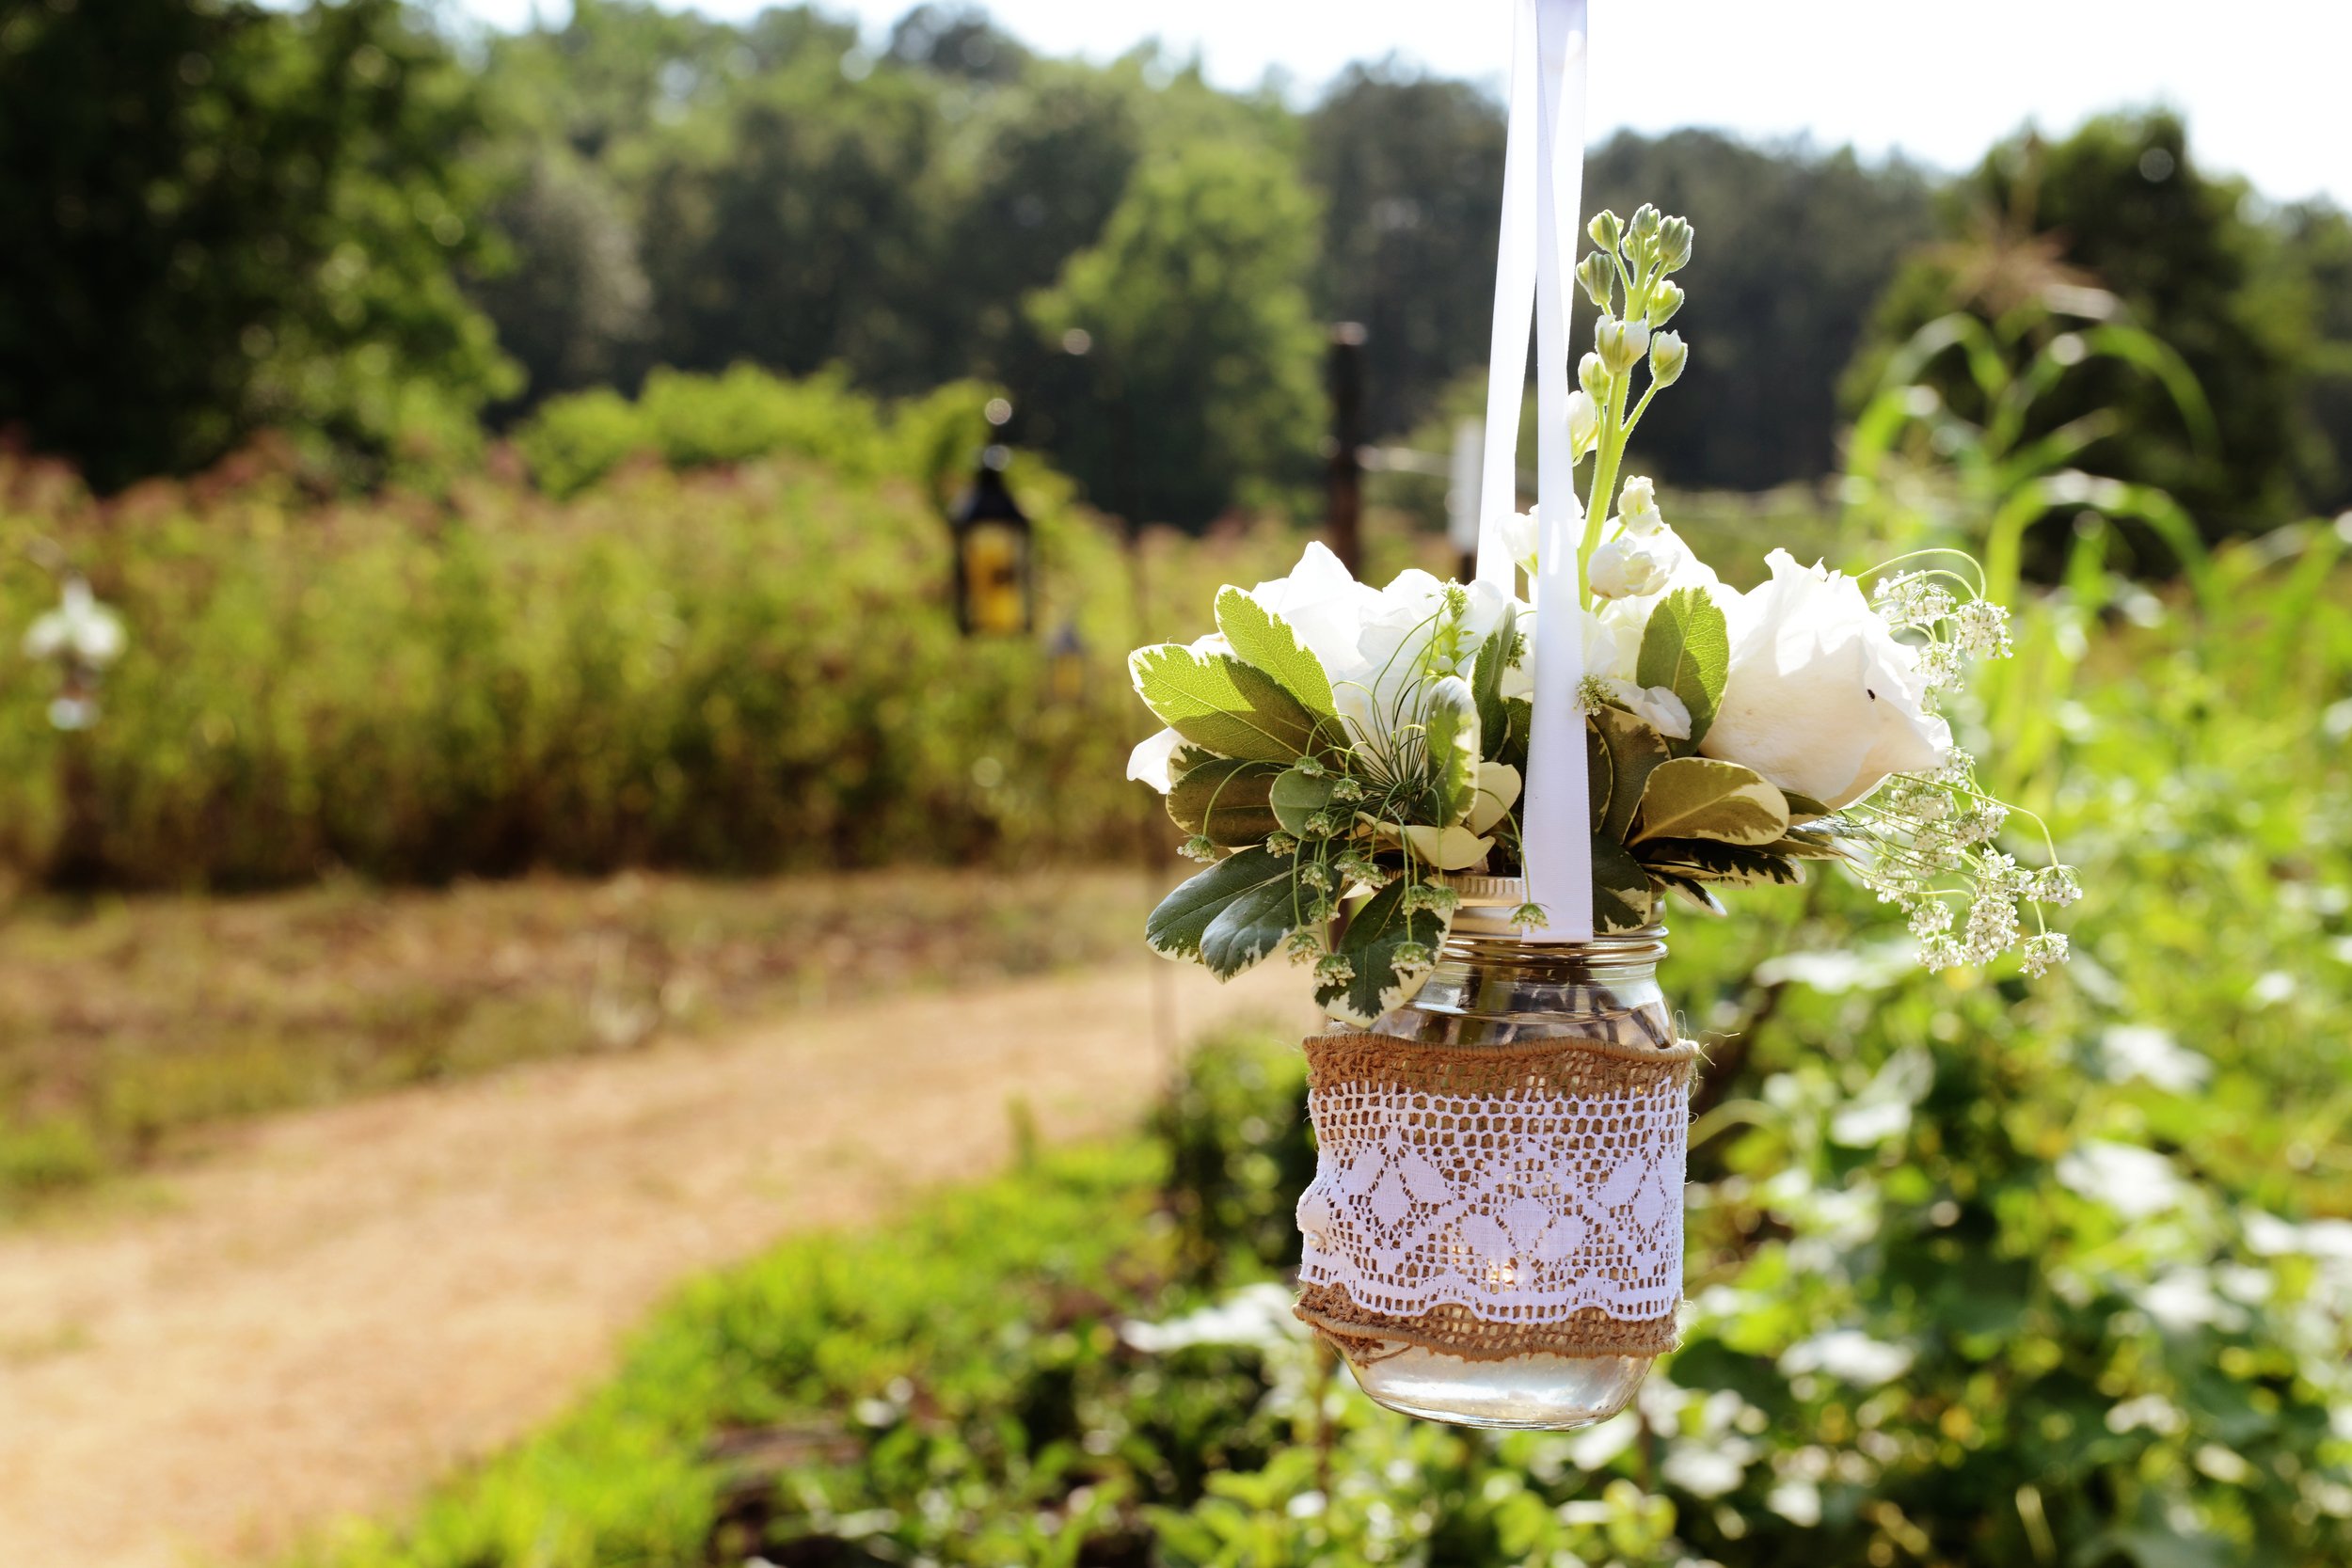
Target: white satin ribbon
<point x="1542" y="183"/>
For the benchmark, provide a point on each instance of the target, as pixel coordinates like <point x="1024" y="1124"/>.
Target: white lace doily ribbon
<point x="1524" y="1207"/>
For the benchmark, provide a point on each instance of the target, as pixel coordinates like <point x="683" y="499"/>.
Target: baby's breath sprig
<point x="1931" y="850"/>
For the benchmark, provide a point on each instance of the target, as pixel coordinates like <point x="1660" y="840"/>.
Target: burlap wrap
<point x="1524" y="1092"/>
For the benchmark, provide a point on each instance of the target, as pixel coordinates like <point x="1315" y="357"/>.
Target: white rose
<point x="1324" y="604"/>
<point x="1374" y="644"/>
<point x="1153" y="760"/>
<point x="1820" y="699"/>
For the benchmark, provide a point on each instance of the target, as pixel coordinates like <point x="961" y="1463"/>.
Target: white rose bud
<point x="1598" y="273"/>
<point x="1821" y="697"/>
<point x="1637" y="507"/>
<point x="1620" y="344"/>
<point x="1584" y="425"/>
<point x="1667" y="355"/>
<point x="1622" y="569"/>
<point x="1664" y="300"/>
<point x="1593" y="376"/>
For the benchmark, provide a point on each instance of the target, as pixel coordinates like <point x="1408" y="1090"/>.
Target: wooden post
<point x="1343" y="518"/>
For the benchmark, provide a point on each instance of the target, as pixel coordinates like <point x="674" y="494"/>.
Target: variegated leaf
<point x="1703" y="798"/>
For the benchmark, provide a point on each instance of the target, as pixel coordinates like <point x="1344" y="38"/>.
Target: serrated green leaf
<point x="1270" y="644"/>
<point x="1622" y="898"/>
<point x="1450" y="731"/>
<point x="1494" y="714"/>
<point x="1217" y="701"/>
<point x="1295" y="796"/>
<point x="1374" y="935"/>
<point x="1175" y="928"/>
<point x="1707" y="860"/>
<point x="1635" y="750"/>
<point x="1701" y="798"/>
<point x="1686" y="647"/>
<point x="1225" y="801"/>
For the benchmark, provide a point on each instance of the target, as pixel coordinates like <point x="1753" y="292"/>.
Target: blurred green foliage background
<point x="346" y="224"/>
<point x="529" y="453"/>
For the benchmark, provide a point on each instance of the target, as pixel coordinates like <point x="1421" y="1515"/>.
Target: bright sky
<point x="2266" y="84"/>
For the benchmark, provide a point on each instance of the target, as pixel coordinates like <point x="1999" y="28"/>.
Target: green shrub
<point x="689" y="420"/>
<point x="696" y="420"/>
<point x="741" y="671"/>
<point x="573" y="441"/>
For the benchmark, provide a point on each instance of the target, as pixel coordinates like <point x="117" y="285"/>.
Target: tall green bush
<point x="745" y="670"/>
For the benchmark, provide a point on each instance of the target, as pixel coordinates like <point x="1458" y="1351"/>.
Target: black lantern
<point x="996" y="586"/>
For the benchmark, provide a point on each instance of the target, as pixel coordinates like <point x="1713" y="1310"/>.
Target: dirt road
<point x="334" y="1307"/>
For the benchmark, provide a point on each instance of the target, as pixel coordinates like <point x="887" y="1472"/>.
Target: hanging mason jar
<point x="1494" y="1233"/>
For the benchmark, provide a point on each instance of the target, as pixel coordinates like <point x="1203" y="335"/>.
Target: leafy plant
<point x="1925" y="474"/>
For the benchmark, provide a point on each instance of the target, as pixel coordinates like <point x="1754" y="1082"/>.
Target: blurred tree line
<point x="342" y="222"/>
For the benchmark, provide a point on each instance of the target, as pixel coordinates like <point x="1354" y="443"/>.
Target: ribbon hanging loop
<point x="1535" y="269"/>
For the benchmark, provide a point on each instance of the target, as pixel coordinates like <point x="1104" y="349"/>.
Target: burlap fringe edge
<point x="1362" y="1335"/>
<point x="1567" y="1066"/>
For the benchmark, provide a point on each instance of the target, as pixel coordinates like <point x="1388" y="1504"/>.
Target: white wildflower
<point x="1637" y="507"/>
<point x="2043" y="951"/>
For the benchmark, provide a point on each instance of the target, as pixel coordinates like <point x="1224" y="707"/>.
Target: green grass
<point x="129" y="1023"/>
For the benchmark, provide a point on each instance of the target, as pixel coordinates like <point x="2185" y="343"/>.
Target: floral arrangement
<point x="1333" y="742"/>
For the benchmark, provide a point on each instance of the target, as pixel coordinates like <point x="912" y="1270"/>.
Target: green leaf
<point x="1494" y="713"/>
<point x="1297" y="796"/>
<point x="1707" y="860"/>
<point x="1600" y="776"/>
<point x="1374" y="935"/>
<point x="1268" y="644"/>
<point x="1225" y="801"/>
<point x="1803" y="808"/>
<point x="1451" y="733"/>
<point x="1697" y="894"/>
<point x="1686" y="648"/>
<point x="1520" y="715"/>
<point x="1217" y="701"/>
<point x="1798" y="844"/>
<point x="1622" y="899"/>
<point x="1176" y="928"/>
<point x="1701" y="798"/>
<point x="1635" y="750"/>
<point x="1253" y="924"/>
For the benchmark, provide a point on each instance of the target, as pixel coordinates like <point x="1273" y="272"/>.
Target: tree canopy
<point x="220" y="217"/>
<point x="344" y="222"/>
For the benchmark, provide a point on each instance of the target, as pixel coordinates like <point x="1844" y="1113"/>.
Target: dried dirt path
<point x="336" y="1306"/>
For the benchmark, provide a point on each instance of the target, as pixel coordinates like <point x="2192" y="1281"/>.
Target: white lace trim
<point x="1526" y="1207"/>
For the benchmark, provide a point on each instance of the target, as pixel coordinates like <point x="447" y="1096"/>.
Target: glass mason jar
<point x="1491" y="991"/>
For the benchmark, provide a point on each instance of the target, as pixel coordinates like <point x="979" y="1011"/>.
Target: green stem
<point x="1633" y="421"/>
<point x="1613" y="434"/>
